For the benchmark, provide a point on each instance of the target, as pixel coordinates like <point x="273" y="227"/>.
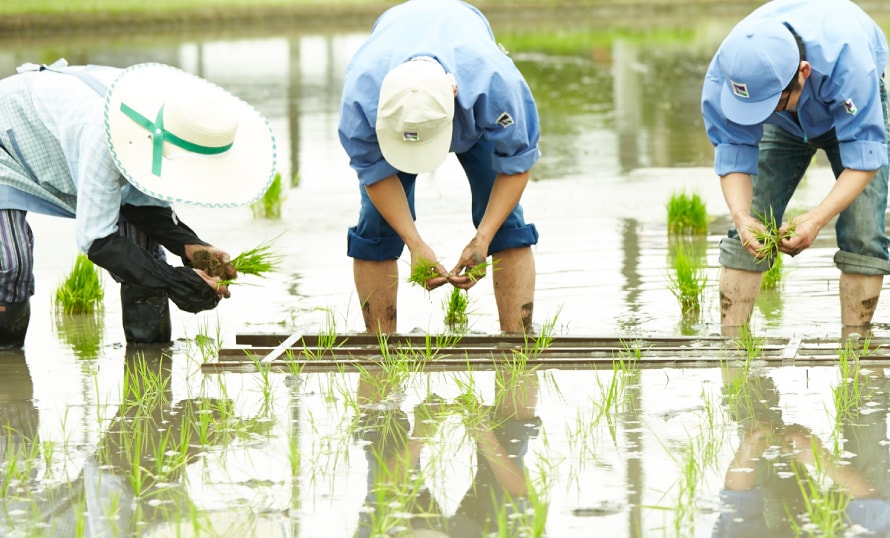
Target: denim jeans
<point x="783" y="160"/>
<point x="374" y="239"/>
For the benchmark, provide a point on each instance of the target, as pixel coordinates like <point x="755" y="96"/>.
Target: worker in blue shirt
<point x="793" y="77"/>
<point x="113" y="149"/>
<point x="430" y="80"/>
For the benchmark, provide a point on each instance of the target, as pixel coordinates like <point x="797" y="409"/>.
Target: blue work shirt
<point x="493" y="100"/>
<point x="847" y="52"/>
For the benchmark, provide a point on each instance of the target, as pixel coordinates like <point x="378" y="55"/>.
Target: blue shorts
<point x="783" y="160"/>
<point x="373" y="239"/>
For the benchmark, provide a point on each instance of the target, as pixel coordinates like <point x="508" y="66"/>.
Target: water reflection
<point x="784" y="480"/>
<point x="400" y="503"/>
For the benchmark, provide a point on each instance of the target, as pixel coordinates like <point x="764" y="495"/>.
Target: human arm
<point x="509" y="476"/>
<point x="801" y="232"/>
<point x="740" y="475"/>
<point x="505" y="194"/>
<point x="162" y="224"/>
<point x="389" y="198"/>
<point x="738" y="193"/>
<point x="808" y="449"/>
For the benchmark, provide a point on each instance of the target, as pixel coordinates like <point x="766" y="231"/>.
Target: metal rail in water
<point x="354" y="352"/>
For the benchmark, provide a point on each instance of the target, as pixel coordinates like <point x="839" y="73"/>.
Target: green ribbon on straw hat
<point x="161" y="135"/>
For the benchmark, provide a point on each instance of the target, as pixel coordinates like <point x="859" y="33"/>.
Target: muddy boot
<point x="146" y="314"/>
<point x="14" y="318"/>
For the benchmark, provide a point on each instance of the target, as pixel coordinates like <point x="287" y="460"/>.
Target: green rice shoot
<point x="773" y="276"/>
<point x="688" y="281"/>
<point x="456" y="309"/>
<point x="269" y="206"/>
<point x="422" y="271"/>
<point x="770" y="237"/>
<point x="687" y="214"/>
<point x="478" y="271"/>
<point x="257" y="261"/>
<point x="82" y="291"/>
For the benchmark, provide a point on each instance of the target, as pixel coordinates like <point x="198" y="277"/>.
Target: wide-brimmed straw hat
<point x="180" y="138"/>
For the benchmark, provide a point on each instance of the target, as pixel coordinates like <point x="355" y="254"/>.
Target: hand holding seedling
<point x="471" y="266"/>
<point x="212" y="264"/>
<point x="769" y="236"/>
<point x="424" y="272"/>
<point x="751" y="230"/>
<point x="798" y="235"/>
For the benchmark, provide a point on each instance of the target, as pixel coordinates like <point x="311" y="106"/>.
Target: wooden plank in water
<point x="314" y="352"/>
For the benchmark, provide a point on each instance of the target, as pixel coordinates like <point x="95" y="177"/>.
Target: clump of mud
<point x="207" y="262"/>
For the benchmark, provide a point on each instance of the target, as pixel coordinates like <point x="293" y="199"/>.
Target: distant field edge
<point x="256" y="14"/>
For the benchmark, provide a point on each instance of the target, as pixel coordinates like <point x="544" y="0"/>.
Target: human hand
<point x="213" y="261"/>
<point x="750" y="229"/>
<point x="424" y="271"/>
<point x="757" y="438"/>
<point x="218" y="285"/>
<point x="471" y="267"/>
<point x="802" y="444"/>
<point x="798" y="235"/>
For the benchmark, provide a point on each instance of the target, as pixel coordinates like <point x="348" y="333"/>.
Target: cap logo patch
<point x="850" y="107"/>
<point x="739" y="89"/>
<point x="410" y="136"/>
<point x="505" y="120"/>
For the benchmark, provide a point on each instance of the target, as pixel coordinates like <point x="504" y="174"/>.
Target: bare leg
<point x="514" y="288"/>
<point x="377" y="285"/>
<point x="859" y="298"/>
<point x="738" y="291"/>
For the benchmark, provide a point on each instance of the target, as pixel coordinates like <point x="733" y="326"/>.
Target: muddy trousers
<point x="145" y="311"/>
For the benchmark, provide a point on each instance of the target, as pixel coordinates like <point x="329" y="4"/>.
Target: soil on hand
<point x="207" y="262"/>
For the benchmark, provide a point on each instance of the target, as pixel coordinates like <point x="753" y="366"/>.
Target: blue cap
<point x="757" y="59"/>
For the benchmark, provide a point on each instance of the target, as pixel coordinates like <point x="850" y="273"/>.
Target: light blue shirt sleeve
<point x="73" y="113"/>
<point x="735" y="146"/>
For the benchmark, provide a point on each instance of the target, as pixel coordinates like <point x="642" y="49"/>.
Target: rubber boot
<point x="14" y="319"/>
<point x="146" y="314"/>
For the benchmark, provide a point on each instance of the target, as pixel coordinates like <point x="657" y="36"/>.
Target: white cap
<point x="415" y="115"/>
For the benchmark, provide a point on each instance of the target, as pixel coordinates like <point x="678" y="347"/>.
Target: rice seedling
<point x="770" y="236"/>
<point x="824" y="506"/>
<point x="533" y="346"/>
<point x="749" y="343"/>
<point x="772" y="277"/>
<point x="257" y="261"/>
<point x="455" y="306"/>
<point x="81" y="292"/>
<point x="687" y="214"/>
<point x="687" y="281"/>
<point x="421" y="271"/>
<point x="269" y="205"/>
<point x="847" y="394"/>
<point x="479" y="270"/>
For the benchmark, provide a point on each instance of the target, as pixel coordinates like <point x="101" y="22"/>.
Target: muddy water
<point x="630" y="452"/>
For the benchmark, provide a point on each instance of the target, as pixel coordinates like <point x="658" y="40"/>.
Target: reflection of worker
<point x="499" y="490"/>
<point x="135" y="476"/>
<point x="113" y="149"/>
<point x="432" y="80"/>
<point x="764" y="483"/>
<point x="19" y="429"/>
<point x="132" y="483"/>
<point x="793" y="77"/>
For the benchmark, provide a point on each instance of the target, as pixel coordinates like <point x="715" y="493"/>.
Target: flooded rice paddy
<point x="105" y="439"/>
